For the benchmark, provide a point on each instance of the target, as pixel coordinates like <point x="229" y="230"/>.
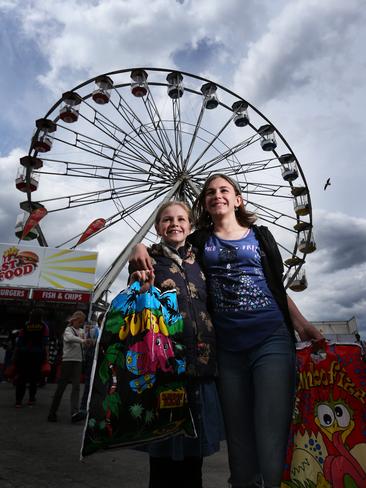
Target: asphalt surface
<point x="35" y="453"/>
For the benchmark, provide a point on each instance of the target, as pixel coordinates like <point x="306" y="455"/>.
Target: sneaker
<point x="31" y="402"/>
<point x="18" y="405"/>
<point x="76" y="417"/>
<point x="52" y="417"/>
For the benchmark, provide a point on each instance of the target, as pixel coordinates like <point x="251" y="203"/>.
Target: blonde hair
<point x="172" y="203"/>
<point x="79" y="314"/>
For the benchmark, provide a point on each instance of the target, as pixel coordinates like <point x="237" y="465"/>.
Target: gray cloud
<point x="334" y="296"/>
<point x="302" y="40"/>
<point x="198" y="57"/>
<point x="341" y="241"/>
<point x="111" y="35"/>
<point x="336" y="271"/>
<point x="21" y="62"/>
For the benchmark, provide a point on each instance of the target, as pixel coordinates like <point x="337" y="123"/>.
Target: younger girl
<point x="178" y="461"/>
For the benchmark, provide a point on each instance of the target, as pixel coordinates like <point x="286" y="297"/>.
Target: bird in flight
<point x="327" y="184"/>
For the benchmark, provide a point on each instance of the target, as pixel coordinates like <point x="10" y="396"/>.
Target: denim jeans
<point x="257" y="388"/>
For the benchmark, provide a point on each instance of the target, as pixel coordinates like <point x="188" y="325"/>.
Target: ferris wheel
<point x="117" y="145"/>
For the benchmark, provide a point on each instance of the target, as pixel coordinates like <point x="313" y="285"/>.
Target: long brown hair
<point x="203" y="220"/>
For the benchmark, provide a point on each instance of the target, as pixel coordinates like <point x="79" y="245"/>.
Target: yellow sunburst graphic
<point x="69" y="269"/>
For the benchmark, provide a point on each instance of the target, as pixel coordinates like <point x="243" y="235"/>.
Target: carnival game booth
<point x="327" y="443"/>
<point x="59" y="281"/>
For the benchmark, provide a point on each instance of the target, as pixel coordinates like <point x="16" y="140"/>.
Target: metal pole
<point x="193" y="186"/>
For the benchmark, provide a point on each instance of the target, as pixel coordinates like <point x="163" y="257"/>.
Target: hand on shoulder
<point x="139" y="258"/>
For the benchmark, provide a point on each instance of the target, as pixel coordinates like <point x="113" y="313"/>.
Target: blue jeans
<point x="257" y="389"/>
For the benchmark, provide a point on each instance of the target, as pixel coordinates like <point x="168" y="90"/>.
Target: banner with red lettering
<point x="61" y="296"/>
<point x="328" y="438"/>
<point x="138" y="391"/>
<point x="14" y="293"/>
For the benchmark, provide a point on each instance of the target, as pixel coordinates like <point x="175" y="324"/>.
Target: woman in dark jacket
<point x="178" y="461"/>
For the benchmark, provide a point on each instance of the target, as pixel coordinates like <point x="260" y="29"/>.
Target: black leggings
<point x="29" y="371"/>
<point x="165" y="473"/>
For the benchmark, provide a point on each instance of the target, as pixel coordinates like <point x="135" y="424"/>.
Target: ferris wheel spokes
<point x="121" y="260"/>
<point x="139" y="130"/>
<point x="160" y="129"/>
<point x="108" y="127"/>
<point x="178" y="132"/>
<point x="223" y="156"/>
<point x="194" y="137"/>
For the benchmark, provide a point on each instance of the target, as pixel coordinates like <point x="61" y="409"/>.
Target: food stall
<point x="59" y="281"/>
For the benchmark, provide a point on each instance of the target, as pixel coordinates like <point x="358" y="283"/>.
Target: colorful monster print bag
<point x="138" y="390"/>
<point x="327" y="446"/>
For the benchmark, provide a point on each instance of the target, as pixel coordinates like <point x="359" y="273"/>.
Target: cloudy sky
<point x="300" y="62"/>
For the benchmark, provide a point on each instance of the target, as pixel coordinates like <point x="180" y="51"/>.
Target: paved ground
<point x="37" y="454"/>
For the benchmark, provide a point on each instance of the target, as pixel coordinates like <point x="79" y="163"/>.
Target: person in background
<point x="362" y="344"/>
<point x="92" y="333"/>
<point x="254" y="321"/>
<point x="71" y="366"/>
<point x="31" y="351"/>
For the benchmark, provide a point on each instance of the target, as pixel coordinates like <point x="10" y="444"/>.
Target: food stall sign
<point x="61" y="296"/>
<point x="14" y="293"/>
<point x="44" y="267"/>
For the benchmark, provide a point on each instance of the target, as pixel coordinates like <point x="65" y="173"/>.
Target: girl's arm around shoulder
<point x="139" y="259"/>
